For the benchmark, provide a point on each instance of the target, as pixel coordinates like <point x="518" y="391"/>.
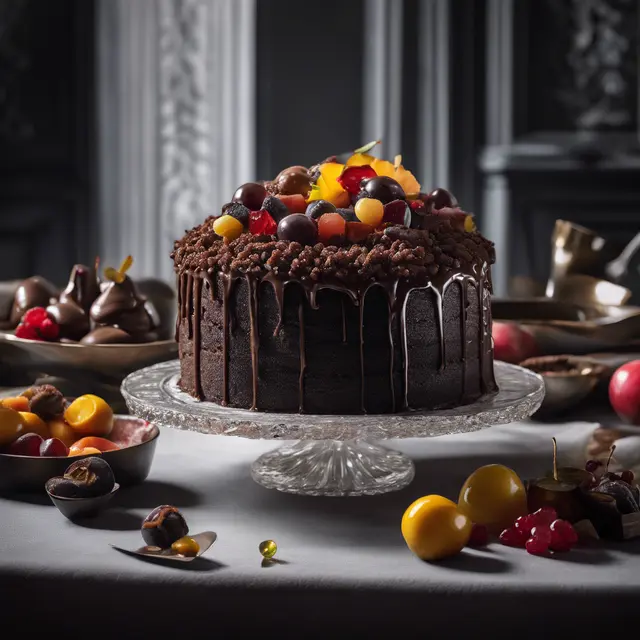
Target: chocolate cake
<point x="347" y="308"/>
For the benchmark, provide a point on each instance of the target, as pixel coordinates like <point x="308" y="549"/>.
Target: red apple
<point x="512" y="343"/>
<point x="624" y="392"/>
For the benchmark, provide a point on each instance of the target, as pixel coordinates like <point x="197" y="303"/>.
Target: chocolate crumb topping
<point x="394" y="252"/>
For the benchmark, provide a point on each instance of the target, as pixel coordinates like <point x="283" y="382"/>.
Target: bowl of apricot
<point x="41" y="432"/>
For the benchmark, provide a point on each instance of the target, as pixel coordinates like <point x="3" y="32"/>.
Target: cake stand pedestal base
<point x="333" y="468"/>
<point x="332" y="455"/>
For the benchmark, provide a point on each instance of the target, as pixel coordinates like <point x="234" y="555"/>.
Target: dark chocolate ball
<point x="93" y="473"/>
<point x="251" y="195"/>
<point x="290" y="183"/>
<point x="382" y="188"/>
<point x="163" y="526"/>
<point x="318" y="208"/>
<point x="442" y="199"/>
<point x="297" y="227"/>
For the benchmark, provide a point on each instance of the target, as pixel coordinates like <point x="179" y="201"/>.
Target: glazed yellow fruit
<point x="186" y="546"/>
<point x="228" y="227"/>
<point x="35" y="424"/>
<point x="493" y="495"/>
<point x="58" y="428"/>
<point x="370" y="211"/>
<point x="433" y="528"/>
<point x="11" y="426"/>
<point x="90" y="415"/>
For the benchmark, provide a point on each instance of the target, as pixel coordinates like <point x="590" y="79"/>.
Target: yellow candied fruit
<point x="469" y="224"/>
<point x="360" y="159"/>
<point x="370" y="211"/>
<point x="186" y="546"/>
<point x="268" y="549"/>
<point x="228" y="227"/>
<point x="35" y="424"/>
<point x="11" y="425"/>
<point x="90" y="415"/>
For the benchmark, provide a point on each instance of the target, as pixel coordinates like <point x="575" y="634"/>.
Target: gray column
<point x="176" y="120"/>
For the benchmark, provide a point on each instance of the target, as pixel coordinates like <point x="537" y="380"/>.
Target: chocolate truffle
<point x="163" y="526"/>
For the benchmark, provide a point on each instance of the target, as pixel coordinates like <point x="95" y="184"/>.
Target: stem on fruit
<point x="555" y="459"/>
<point x="613" y="448"/>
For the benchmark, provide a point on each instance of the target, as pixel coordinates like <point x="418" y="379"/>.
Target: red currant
<point x="524" y="524"/>
<point x="479" y="536"/>
<point x="537" y="546"/>
<point x="565" y="530"/>
<point x="542" y="533"/>
<point x="514" y="538"/>
<point x="544" y="516"/>
<point x="558" y="543"/>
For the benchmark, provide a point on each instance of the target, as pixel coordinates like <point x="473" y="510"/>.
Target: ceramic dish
<point x="566" y="327"/>
<point x="77" y="508"/>
<point x="131" y="464"/>
<point x="109" y="360"/>
<point x="568" y="380"/>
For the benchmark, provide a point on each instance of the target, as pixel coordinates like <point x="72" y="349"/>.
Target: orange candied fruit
<point x="35" y="424"/>
<point x="59" y="429"/>
<point x="90" y="415"/>
<point x="19" y="403"/>
<point x="87" y="451"/>
<point x="11" y="426"/>
<point x="331" y="227"/>
<point x="93" y="442"/>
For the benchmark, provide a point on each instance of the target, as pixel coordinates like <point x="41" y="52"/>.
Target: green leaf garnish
<point x="367" y="147"/>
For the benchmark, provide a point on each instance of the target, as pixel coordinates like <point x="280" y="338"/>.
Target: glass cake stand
<point x="334" y="455"/>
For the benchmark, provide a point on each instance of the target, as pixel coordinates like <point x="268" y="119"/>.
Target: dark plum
<point x="297" y="227"/>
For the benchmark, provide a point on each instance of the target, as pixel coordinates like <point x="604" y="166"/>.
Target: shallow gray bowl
<point x="131" y="464"/>
<point x="565" y="389"/>
<point x="77" y="508"/>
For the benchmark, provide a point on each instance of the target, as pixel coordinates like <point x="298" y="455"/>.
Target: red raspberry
<point x="479" y="536"/>
<point x="514" y="537"/>
<point x="27" y="332"/>
<point x="261" y="223"/>
<point x="49" y="329"/>
<point x="566" y="531"/>
<point x="352" y="177"/>
<point x="35" y="316"/>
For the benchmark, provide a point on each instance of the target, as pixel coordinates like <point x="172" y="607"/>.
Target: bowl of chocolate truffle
<point x="42" y="433"/>
<point x="106" y="326"/>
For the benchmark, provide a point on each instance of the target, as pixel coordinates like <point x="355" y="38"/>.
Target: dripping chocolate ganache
<point x="341" y="315"/>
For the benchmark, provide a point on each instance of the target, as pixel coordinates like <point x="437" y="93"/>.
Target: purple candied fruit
<point x="397" y="212"/>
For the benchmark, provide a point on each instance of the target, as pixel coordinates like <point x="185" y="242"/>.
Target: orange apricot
<point x="94" y="442"/>
<point x="19" y="403"/>
<point x="35" y="424"/>
<point x="63" y="431"/>
<point x="87" y="451"/>
<point x="90" y="415"/>
<point x="11" y="426"/>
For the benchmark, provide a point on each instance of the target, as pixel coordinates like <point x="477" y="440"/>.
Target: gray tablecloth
<point x="346" y="569"/>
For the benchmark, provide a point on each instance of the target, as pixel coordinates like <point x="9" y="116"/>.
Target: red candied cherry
<point x="513" y="537"/>
<point x="351" y="177"/>
<point x="26" y="445"/>
<point x="53" y="448"/>
<point x="479" y="535"/>
<point x="537" y="546"/>
<point x="27" y="332"/>
<point x="397" y="212"/>
<point x="558" y="543"/>
<point x="262" y="224"/>
<point x="331" y="228"/>
<point x="524" y="524"/>
<point x="565" y="530"/>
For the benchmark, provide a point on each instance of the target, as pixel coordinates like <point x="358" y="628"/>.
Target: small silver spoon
<point x="204" y="540"/>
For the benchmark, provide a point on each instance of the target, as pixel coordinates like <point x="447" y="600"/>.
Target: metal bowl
<point x="568" y="380"/>
<point x="131" y="464"/>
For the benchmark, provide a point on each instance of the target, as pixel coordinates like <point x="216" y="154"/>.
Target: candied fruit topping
<point x="351" y="177"/>
<point x="228" y="227"/>
<point x="358" y="232"/>
<point x="268" y="549"/>
<point x="262" y="224"/>
<point x="331" y="228"/>
<point x="186" y="546"/>
<point x="397" y="212"/>
<point x="370" y="211"/>
<point x="90" y="415"/>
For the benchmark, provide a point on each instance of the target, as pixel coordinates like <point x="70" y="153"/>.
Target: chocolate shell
<point x="83" y="287"/>
<point x="121" y="306"/>
<point x="32" y="292"/>
<point x="72" y="320"/>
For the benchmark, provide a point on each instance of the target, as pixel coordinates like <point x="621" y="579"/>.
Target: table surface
<point x="344" y="564"/>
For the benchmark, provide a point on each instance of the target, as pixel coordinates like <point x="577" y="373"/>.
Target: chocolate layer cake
<point x="387" y="318"/>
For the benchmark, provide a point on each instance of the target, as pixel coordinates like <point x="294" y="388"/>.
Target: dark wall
<point x="309" y="93"/>
<point x="46" y="137"/>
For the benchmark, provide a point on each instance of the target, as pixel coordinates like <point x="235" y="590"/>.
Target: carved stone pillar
<point x="176" y="120"/>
